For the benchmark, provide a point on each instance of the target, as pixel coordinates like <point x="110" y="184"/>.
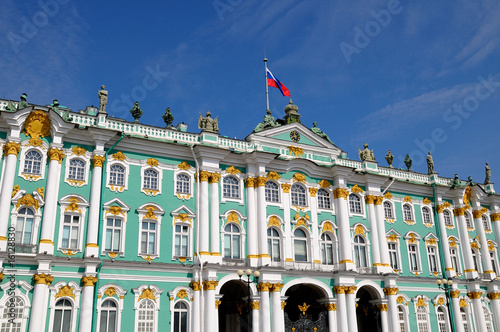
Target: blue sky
<point x="410" y="76"/>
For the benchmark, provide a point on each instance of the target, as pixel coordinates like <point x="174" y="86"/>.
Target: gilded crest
<point x="110" y="291"/>
<point x="27" y="200"/>
<point x="407" y="199"/>
<point x="119" y="156"/>
<point x="295" y="150"/>
<point x="299" y="177"/>
<point x="273" y="221"/>
<point x="78" y="150"/>
<point x="388" y="195"/>
<point x="359" y="230"/>
<point x="152" y="162"/>
<point x="426" y="201"/>
<point x="273" y="175"/>
<point x="150" y="212"/>
<point x="233" y="217"/>
<point x="467" y="195"/>
<point x="37" y="125"/>
<point x="65" y="291"/>
<point x="184" y="165"/>
<point x="147" y="294"/>
<point x="327" y="227"/>
<point x="233" y="170"/>
<point x="356" y="189"/>
<point x="182" y="294"/>
<point x="324" y="183"/>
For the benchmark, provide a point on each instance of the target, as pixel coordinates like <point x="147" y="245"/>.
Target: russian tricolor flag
<point x="274" y="82"/>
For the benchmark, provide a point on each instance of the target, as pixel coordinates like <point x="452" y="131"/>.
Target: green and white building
<point x="108" y="225"/>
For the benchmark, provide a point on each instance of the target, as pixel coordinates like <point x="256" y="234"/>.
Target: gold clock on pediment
<point x="295" y="136"/>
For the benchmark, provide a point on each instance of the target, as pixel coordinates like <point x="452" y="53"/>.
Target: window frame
<point x="411" y="220"/>
<point x="42" y="149"/>
<point x="430" y="223"/>
<point x="15" y="292"/>
<point x="278" y="192"/>
<point x="306" y="240"/>
<point x="75" y="302"/>
<point x="117" y="295"/>
<point x="231" y="234"/>
<point x="175" y="310"/>
<point x="116" y="187"/>
<point x="486" y="223"/>
<point x="451" y="224"/>
<point x="364" y="246"/>
<point x="149" y="190"/>
<point x="414" y="241"/>
<point x="190" y="173"/>
<point x="271" y="238"/>
<point x="424" y="311"/>
<point x="361" y="204"/>
<point x="184" y="295"/>
<point x="435" y="254"/>
<point x="476" y="259"/>
<point x="402" y="309"/>
<point x="397" y="251"/>
<point x="183" y="216"/>
<point x="334" y="251"/>
<point x="493" y="256"/>
<point x="73" y="205"/>
<point x="470" y="223"/>
<point x="464" y="311"/>
<point x="83" y="156"/>
<point x="37" y="215"/>
<point x="238" y="184"/>
<point x="151" y="213"/>
<point x="305" y="195"/>
<point x="442" y="311"/>
<point x="155" y="292"/>
<point x="321" y="199"/>
<point x="391" y="208"/>
<point x="488" y="318"/>
<point x="111" y="209"/>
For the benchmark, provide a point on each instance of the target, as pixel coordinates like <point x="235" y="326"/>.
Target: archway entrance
<point x="303" y="311"/>
<point x="367" y="313"/>
<point x="234" y="315"/>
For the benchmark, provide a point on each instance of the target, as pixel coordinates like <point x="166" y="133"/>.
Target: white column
<point x="252" y="234"/>
<point x="255" y="305"/>
<point x="495" y="307"/>
<point x="195" y="306"/>
<point x="470" y="271"/>
<point x="87" y="303"/>
<point x="332" y="316"/>
<point x="478" y="310"/>
<point x="455" y="307"/>
<point x="11" y="150"/>
<point x="92" y="247"/>
<point x="286" y="216"/>
<point x="211" y="317"/>
<point x="261" y="221"/>
<point x="277" y="319"/>
<point x="204" y="216"/>
<point x="374" y="238"/>
<point x="315" y="230"/>
<point x="341" y="309"/>
<point x="392" y="307"/>
<point x="350" y="300"/>
<point x="345" y="261"/>
<point x="450" y="272"/>
<point x="214" y="216"/>
<point x="39" y="303"/>
<point x="496" y="225"/>
<point x="485" y="251"/>
<point x="56" y="157"/>
<point x="384" y="250"/>
<point x="383" y="317"/>
<point x="264" y="314"/>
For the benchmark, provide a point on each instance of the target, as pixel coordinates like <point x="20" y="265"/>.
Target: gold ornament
<point x="313" y="192"/>
<point x="147" y="293"/>
<point x="184" y="165"/>
<point x="214" y="177"/>
<point x="27" y="200"/>
<point x="110" y="291"/>
<point x="37" y="125"/>
<point x="119" y="156"/>
<point x="78" y="150"/>
<point x="356" y="189"/>
<point x="98" y="161"/>
<point x="11" y="148"/>
<point x="340" y="192"/>
<point x="43" y="278"/>
<point x="182" y="294"/>
<point x="195" y="285"/>
<point x="272" y="175"/>
<point x="204" y="175"/>
<point x="233" y="170"/>
<point x="303" y="308"/>
<point x="16" y="189"/>
<point x="152" y="162"/>
<point x="89" y="281"/>
<point x="285" y="187"/>
<point x="426" y="201"/>
<point x="65" y="291"/>
<point x="391" y="291"/>
<point x="295" y="150"/>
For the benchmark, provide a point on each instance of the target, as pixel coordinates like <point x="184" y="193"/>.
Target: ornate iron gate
<point x="303" y="324"/>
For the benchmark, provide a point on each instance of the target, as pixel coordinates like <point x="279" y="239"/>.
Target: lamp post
<point x="445" y="285"/>
<point x="256" y="275"/>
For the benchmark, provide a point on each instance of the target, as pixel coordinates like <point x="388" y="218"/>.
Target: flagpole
<point x="267" y="88"/>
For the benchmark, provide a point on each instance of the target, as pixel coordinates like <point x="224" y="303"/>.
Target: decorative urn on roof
<point x="292" y="113"/>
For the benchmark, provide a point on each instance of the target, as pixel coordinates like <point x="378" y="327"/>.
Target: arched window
<point x="447" y="218"/>
<point x="441" y="318"/>
<point x="401" y="319"/>
<point x="300" y="245"/>
<point x="33" y="162"/>
<point x="354" y="203"/>
<point x="24" y="226"/>
<point x="468" y="221"/>
<point x="487" y="319"/>
<point x="455" y="262"/>
<point x="298" y="195"/>
<point x="76" y="170"/>
<point x="360" y="251"/>
<point x="12" y="319"/>
<point x="272" y="192"/>
<point x="273" y="244"/>
<point x="324" y="201"/>
<point x="183" y="184"/>
<point x="151" y="179"/>
<point x="108" y="321"/>
<point x="426" y="215"/>
<point x="146" y="316"/>
<point x="388" y="213"/>
<point x="408" y="215"/>
<point x="180" y="317"/>
<point x="493" y="257"/>
<point x="231" y="188"/>
<point x="62" y="316"/>
<point x="476" y="259"/>
<point x="232" y="238"/>
<point x="465" y="319"/>
<point x="422" y="319"/>
<point x="486" y="224"/>
<point x="117" y="175"/>
<point x="326" y="244"/>
<point x="71" y="232"/>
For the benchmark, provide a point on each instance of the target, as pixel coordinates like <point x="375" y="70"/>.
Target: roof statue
<point x="389" y="158"/>
<point x="470" y="183"/>
<point x="267" y="123"/>
<point x="488" y="174"/>
<point x="430" y="164"/>
<point x="292" y="113"/>
<point x="168" y="117"/>
<point x="103" y="99"/>
<point x="136" y="112"/>
<point x="22" y="104"/>
<point x="320" y="133"/>
<point x="55" y="105"/>
<point x="456" y="183"/>
<point x="207" y="123"/>
<point x="366" y="154"/>
<point x="408" y="162"/>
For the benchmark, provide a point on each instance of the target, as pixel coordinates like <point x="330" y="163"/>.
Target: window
<point x="408" y="215"/>
<point x="71" y="231"/>
<point x="12" y="319"/>
<point x="360" y="251"/>
<point x="146" y="316"/>
<point x="148" y="237"/>
<point x="108" y="317"/>
<point x="486" y="224"/>
<point x="388" y="210"/>
<point x="426" y="215"/>
<point x="487" y="319"/>
<point x="181" y="240"/>
<point x="272" y="192"/>
<point x="24" y="226"/>
<point x="465" y="319"/>
<point x="455" y="263"/>
<point x="117" y="175"/>
<point x="113" y="234"/>
<point x="298" y="195"/>
<point x="183" y="184"/>
<point x="476" y="260"/>
<point x="76" y="170"/>
<point x="151" y="180"/>
<point x="441" y="319"/>
<point x="401" y="319"/>
<point x="180" y="317"/>
<point x="324" y="199"/>
<point x="447" y="218"/>
<point x="432" y="255"/>
<point x="62" y="316"/>
<point x="413" y="254"/>
<point x="273" y="244"/>
<point x="300" y="246"/>
<point x="354" y="203"/>
<point x="231" y="188"/>
<point x="422" y="320"/>
<point x="493" y="257"/>
<point x="468" y="221"/>
<point x="393" y="255"/>
<point x="33" y="162"/>
<point x="326" y="244"/>
<point x="232" y="241"/>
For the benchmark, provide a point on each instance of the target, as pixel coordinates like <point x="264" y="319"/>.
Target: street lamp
<point x="256" y="275"/>
<point x="445" y="284"/>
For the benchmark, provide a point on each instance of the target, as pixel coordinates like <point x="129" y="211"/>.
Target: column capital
<point x="350" y="289"/>
<point x="210" y="284"/>
<point x="214" y="177"/>
<point x="42" y="278"/>
<point x="474" y="295"/>
<point x="340" y="192"/>
<point x="495" y="217"/>
<point x="98" y="161"/>
<point x="494" y="296"/>
<point x="204" y="176"/>
<point x="56" y="154"/>
<point x="260" y="181"/>
<point x="217" y="303"/>
<point x="89" y="281"/>
<point x="455" y="293"/>
<point x="382" y="307"/>
<point x="276" y="287"/>
<point x="378" y="200"/>
<point x="459" y="211"/>
<point x="250" y="182"/>
<point x="283" y="304"/>
<point x="370" y="199"/>
<point x="391" y="291"/>
<point x="11" y="148"/>
<point x="286" y="187"/>
<point x="264" y="287"/>
<point x="195" y="286"/>
<point x="255" y="305"/>
<point x="440" y="208"/>
<point x="331" y="306"/>
<point x="339" y="289"/>
<point x="477" y="214"/>
<point x="313" y="191"/>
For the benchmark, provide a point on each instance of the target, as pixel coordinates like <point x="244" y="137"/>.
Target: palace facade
<point x="108" y="225"/>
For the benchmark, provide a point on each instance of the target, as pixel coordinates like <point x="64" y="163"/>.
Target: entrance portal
<point x="303" y="311"/>
<point x="367" y="313"/>
<point x="234" y="315"/>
